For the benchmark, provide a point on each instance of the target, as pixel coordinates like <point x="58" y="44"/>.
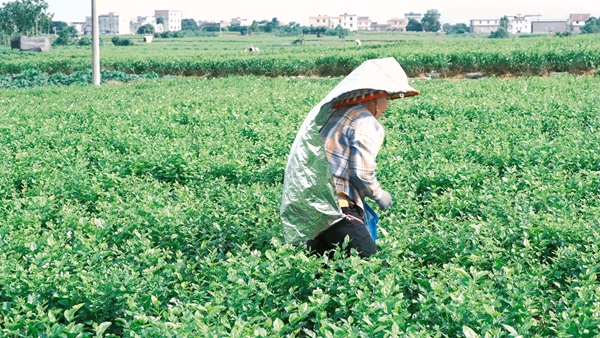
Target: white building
<point x="81" y="27"/>
<point x="111" y="23"/>
<point x="521" y="23"/>
<point x="485" y="26"/>
<point x="172" y="19"/>
<point x="346" y="21"/>
<point x="240" y="22"/>
<point x="335" y="21"/>
<point x="349" y="22"/>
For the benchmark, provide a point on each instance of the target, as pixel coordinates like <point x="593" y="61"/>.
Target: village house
<point x="347" y="21"/>
<point x="411" y="15"/>
<point x="172" y="19"/>
<point x="485" y="26"/>
<point x="364" y="23"/>
<point x="577" y="21"/>
<point x="521" y="23"/>
<point x="239" y="22"/>
<point x="81" y="27"/>
<point x="318" y="21"/>
<point x="549" y="26"/>
<point x="397" y="24"/>
<point x="145" y="20"/>
<point x="111" y="23"/>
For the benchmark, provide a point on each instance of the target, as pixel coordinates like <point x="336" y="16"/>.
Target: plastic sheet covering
<point x="31" y="44"/>
<point x="309" y="202"/>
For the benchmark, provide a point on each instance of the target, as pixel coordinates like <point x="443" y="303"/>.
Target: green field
<point x="151" y="209"/>
<point x="329" y="56"/>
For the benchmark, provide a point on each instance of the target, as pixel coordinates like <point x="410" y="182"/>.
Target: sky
<point x="452" y="11"/>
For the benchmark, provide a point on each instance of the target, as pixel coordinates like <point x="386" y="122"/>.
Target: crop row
<point x="151" y="209"/>
<point x="34" y="78"/>
<point x="535" y="56"/>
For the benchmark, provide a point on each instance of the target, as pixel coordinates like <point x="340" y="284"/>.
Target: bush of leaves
<point x="151" y="209"/>
<point x="35" y="78"/>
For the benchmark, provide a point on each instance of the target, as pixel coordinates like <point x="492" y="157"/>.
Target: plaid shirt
<point x="352" y="138"/>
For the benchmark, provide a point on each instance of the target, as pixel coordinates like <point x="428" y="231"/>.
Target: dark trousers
<point x="357" y="232"/>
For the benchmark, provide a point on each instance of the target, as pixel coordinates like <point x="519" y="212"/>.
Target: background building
<point x="522" y="23"/>
<point x="81" y="27"/>
<point x="349" y="22"/>
<point x="411" y="15"/>
<point x="240" y="22"/>
<point x="576" y="21"/>
<point x="380" y="26"/>
<point x="364" y="23"/>
<point x="145" y="20"/>
<point x="318" y="21"/>
<point x="398" y="24"/>
<point x="549" y="26"/>
<point x="485" y="26"/>
<point x="334" y="21"/>
<point x="172" y="19"/>
<point x="112" y="23"/>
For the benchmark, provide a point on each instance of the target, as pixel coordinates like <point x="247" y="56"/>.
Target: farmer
<point x="331" y="167"/>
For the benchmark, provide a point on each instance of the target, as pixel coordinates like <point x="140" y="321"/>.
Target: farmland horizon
<point x="455" y="12"/>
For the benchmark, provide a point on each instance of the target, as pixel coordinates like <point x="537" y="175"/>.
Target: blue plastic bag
<point x="371" y="219"/>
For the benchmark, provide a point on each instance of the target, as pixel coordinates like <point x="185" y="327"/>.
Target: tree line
<point x="274" y="26"/>
<point x="24" y="17"/>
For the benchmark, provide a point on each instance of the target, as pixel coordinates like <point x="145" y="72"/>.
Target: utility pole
<point x="95" y="46"/>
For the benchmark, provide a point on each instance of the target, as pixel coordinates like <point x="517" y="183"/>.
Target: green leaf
<point x="278" y="325"/>
<point x="70" y="314"/>
<point x="512" y="331"/>
<point x="102" y="328"/>
<point x="469" y="333"/>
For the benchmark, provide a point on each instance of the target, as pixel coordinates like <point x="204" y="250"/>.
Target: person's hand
<point x="384" y="200"/>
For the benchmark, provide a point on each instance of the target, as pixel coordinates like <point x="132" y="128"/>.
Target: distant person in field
<point x="331" y="167"/>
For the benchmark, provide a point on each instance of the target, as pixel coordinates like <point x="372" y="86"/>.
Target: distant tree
<point x="592" y="26"/>
<point x="459" y="28"/>
<point x="189" y="25"/>
<point x="117" y="41"/>
<point x="213" y="28"/>
<point x="160" y="20"/>
<point x="431" y="21"/>
<point x="253" y="27"/>
<point x="7" y="28"/>
<point x="447" y="27"/>
<point x="66" y="36"/>
<point x="57" y="26"/>
<point x="291" y="29"/>
<point x="272" y="25"/>
<point x="146" y="29"/>
<point x="337" y="31"/>
<point x="501" y="33"/>
<point x="27" y="17"/>
<point x="85" y="41"/>
<point x="236" y="28"/>
<point x="504" y="22"/>
<point x="414" y="26"/>
<point x="166" y="34"/>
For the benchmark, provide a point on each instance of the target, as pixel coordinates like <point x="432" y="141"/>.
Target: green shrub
<point x="501" y="33"/>
<point x="85" y="41"/>
<point x="117" y="41"/>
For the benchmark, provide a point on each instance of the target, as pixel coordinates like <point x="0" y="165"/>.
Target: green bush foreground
<point x="151" y="209"/>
